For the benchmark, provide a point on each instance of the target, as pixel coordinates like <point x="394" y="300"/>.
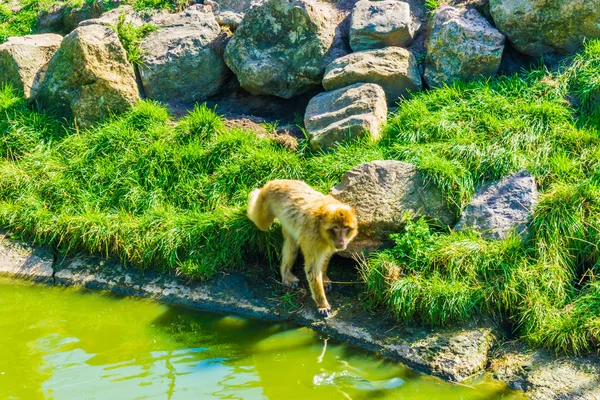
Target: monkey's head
<point x="339" y="225"/>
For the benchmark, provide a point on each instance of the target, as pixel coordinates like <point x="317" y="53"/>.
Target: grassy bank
<point x="170" y="194"/>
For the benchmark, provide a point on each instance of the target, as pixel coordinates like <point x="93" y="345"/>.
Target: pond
<point x="65" y="343"/>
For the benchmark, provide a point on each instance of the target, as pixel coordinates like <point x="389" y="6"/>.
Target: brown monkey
<point x="317" y="224"/>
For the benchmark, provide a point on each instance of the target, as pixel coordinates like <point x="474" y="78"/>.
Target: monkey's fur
<point x="317" y="224"/>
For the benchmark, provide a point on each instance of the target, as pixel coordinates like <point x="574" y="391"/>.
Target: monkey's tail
<point x="258" y="212"/>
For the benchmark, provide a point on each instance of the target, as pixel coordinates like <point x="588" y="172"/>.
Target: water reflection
<point x="70" y="344"/>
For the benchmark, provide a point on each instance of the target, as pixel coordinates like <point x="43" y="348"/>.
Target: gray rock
<point x="282" y="47"/>
<point x="24" y="60"/>
<point x="19" y="260"/>
<point x="377" y="24"/>
<point x="63" y="17"/>
<point x="182" y="61"/>
<point x="393" y="68"/>
<point x="461" y="45"/>
<point x="542" y="375"/>
<point x="537" y="27"/>
<point x="383" y="192"/>
<point x="238" y="6"/>
<point x="111" y="18"/>
<point x="230" y="13"/>
<point x="454" y="354"/>
<point x="89" y="77"/>
<point x="499" y="208"/>
<point x="345" y="114"/>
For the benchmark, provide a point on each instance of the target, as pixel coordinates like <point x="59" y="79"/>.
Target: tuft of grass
<point x="131" y="36"/>
<point x="583" y="79"/>
<point x="432" y="5"/>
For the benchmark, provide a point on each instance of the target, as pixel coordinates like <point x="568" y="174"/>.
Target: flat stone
<point x="345" y="114"/>
<point x="501" y="207"/>
<point x="393" y="68"/>
<point x="19" y="260"/>
<point x="542" y="375"/>
<point x="378" y="24"/>
<point x="24" y="60"/>
<point x="454" y="354"/>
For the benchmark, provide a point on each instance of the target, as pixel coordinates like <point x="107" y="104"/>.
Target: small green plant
<point x="432" y="5"/>
<point x="131" y="37"/>
<point x="171" y="5"/>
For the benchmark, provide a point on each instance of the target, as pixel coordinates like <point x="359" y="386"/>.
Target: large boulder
<point x="24" y="60"/>
<point x="89" y="77"/>
<point x="282" y="47"/>
<point x="230" y="13"/>
<point x="377" y="24"/>
<point x="383" y="193"/>
<point x="536" y="27"/>
<point x="461" y="45"/>
<point x="393" y="68"/>
<point x="182" y="61"/>
<point x="501" y="207"/>
<point x="64" y="16"/>
<point x="344" y="114"/>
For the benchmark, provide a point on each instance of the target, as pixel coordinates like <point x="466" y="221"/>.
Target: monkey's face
<point x="340" y="227"/>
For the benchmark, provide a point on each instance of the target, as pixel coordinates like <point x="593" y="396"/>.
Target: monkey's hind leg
<point x="289" y="254"/>
<point x="258" y="211"/>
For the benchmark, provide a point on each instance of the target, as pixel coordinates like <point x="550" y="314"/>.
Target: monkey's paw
<point x="324" y="311"/>
<point x="327" y="287"/>
<point x="291" y="284"/>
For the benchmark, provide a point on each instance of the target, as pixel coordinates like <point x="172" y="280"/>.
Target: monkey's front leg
<point x="314" y="274"/>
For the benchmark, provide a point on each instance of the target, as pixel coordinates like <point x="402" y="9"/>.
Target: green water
<point x="65" y="343"/>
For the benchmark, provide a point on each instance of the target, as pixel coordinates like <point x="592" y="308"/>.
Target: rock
<point x="499" y="208"/>
<point x="383" y="192"/>
<point x="111" y="18"/>
<point x="393" y="68"/>
<point x="229" y="19"/>
<point x="238" y="6"/>
<point x="19" y="260"/>
<point x="344" y="114"/>
<point x="63" y="17"/>
<point x="453" y="354"/>
<point x="283" y="46"/>
<point x="461" y="45"/>
<point x="24" y="60"/>
<point x="230" y="13"/>
<point x="182" y="61"/>
<point x="537" y="27"/>
<point x="543" y="376"/>
<point x="89" y="77"/>
<point x="377" y="24"/>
